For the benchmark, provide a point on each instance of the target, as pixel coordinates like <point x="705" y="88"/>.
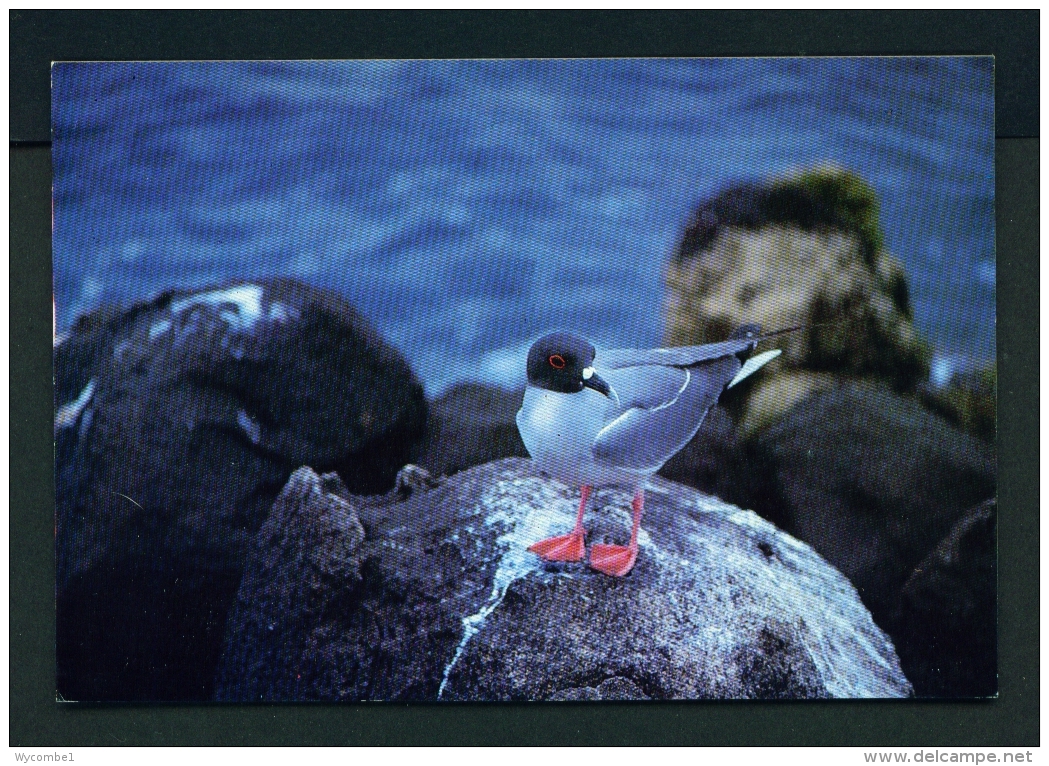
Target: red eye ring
<point x="557" y="361"/>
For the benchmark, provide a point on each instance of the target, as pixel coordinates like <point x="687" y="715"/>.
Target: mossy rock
<point x="852" y="202"/>
<point x="823" y="197"/>
<point x="803" y="250"/>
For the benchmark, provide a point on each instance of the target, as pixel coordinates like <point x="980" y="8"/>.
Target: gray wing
<point x="647" y="387"/>
<point x="680" y="356"/>
<point x="642" y="439"/>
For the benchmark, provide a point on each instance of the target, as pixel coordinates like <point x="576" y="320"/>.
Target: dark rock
<point x="711" y="459"/>
<point x="472" y="424"/>
<point x="946" y="626"/>
<point x="308" y="545"/>
<point x="450" y="605"/>
<point x="412" y="479"/>
<point x="178" y="422"/>
<point x="611" y="689"/>
<point x="868" y="478"/>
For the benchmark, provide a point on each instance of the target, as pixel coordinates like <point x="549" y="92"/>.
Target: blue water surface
<point x="467" y="206"/>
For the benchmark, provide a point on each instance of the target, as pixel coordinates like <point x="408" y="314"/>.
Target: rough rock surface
<point x="946" y="624"/>
<point x="471" y="424"/>
<point x="805" y="251"/>
<point x="178" y="422"/>
<point x="441" y="600"/>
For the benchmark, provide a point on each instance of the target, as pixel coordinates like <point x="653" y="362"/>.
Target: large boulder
<point x="440" y="600"/>
<point x="471" y="424"/>
<point x="807" y="251"/>
<point x="178" y="422"/>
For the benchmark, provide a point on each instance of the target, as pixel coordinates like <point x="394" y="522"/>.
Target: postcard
<point x="540" y="380"/>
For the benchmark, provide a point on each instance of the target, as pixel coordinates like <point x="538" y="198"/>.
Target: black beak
<point x="598" y="383"/>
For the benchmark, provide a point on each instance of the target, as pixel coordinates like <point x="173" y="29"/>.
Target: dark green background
<point x="37" y="37"/>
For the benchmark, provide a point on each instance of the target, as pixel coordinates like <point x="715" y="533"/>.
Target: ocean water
<point x="466" y="207"/>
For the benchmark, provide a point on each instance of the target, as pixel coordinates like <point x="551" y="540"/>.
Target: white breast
<point x="559" y="430"/>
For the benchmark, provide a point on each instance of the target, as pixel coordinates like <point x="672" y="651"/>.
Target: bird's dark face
<point x="563" y="362"/>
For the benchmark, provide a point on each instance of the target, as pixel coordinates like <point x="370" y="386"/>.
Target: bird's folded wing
<point x="647" y="387"/>
<point x="642" y="439"/>
<point x="680" y="356"/>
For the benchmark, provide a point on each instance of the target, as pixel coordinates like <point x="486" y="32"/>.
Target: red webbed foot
<point x="613" y="560"/>
<point x="568" y="547"/>
<point x="618" y="560"/>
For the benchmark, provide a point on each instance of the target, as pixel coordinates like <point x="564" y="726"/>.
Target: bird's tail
<point x="753" y="332"/>
<point x="752" y="364"/>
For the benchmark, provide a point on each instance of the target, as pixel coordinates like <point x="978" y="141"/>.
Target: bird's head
<point x="563" y="362"/>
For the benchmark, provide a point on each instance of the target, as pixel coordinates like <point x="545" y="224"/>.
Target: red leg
<point x="618" y="560"/>
<point x="568" y="547"/>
